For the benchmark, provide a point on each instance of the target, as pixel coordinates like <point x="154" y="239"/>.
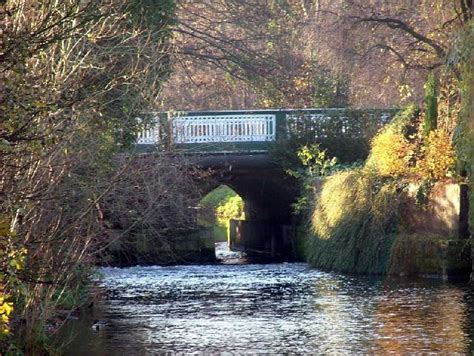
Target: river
<point x="271" y="308"/>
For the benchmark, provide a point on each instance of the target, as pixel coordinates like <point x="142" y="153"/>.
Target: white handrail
<point x="224" y="128"/>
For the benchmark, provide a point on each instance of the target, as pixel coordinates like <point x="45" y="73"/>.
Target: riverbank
<point x="367" y="225"/>
<point x="404" y="211"/>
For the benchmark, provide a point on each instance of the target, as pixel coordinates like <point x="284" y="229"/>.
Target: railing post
<point x="279" y="127"/>
<point x="164" y="138"/>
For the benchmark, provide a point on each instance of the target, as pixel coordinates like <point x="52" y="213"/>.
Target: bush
<point x="392" y="152"/>
<point x="338" y="195"/>
<point x="232" y="208"/>
<point x="353" y="223"/>
<point x="438" y="156"/>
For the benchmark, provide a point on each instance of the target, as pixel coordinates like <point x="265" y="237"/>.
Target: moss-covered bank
<point x="363" y="223"/>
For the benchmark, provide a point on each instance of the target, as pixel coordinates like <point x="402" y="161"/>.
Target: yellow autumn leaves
<point x="390" y="155"/>
<point x="6" y="308"/>
<point x="437" y="156"/>
<point x="394" y="155"/>
<point x="13" y="258"/>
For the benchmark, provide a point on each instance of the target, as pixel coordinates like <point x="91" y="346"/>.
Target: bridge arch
<point x="265" y="188"/>
<point x="267" y="193"/>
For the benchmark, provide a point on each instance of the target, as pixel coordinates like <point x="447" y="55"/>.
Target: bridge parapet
<point x="254" y="130"/>
<point x="224" y="128"/>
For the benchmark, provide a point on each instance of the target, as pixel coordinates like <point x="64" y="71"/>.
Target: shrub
<point x="232" y="208"/>
<point x="219" y="206"/>
<point x="392" y="152"/>
<point x="353" y="222"/>
<point x="438" y="156"/>
<point x="338" y="195"/>
<point x="431" y="105"/>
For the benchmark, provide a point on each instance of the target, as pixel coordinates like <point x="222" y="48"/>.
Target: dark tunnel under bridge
<point x="268" y="193"/>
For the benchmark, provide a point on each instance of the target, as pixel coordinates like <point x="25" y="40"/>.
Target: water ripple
<point x="275" y="308"/>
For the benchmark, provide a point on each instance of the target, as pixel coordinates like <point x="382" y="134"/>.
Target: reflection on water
<point x="422" y="319"/>
<point x="272" y="308"/>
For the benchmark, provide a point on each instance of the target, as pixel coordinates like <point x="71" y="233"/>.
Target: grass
<point x="353" y="223"/>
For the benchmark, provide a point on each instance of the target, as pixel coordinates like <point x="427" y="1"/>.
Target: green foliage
<point x="344" y="136"/>
<point x="465" y="130"/>
<point x="316" y="164"/>
<point x="70" y="298"/>
<point x="315" y="161"/>
<point x="220" y="206"/>
<point x="431" y="104"/>
<point x="422" y="193"/>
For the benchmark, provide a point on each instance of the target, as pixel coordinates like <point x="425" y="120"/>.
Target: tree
<point x="245" y="54"/>
<point x="241" y="54"/>
<point x="74" y="76"/>
<point x="150" y="206"/>
<point x="388" y="48"/>
<point x="431" y="105"/>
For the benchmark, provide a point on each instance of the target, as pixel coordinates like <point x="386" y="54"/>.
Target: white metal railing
<point x="150" y="134"/>
<point x="224" y="128"/>
<point x="215" y="128"/>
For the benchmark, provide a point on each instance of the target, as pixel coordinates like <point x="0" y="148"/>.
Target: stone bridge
<point x="241" y="147"/>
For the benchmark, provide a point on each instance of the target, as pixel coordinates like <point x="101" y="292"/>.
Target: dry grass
<point x="353" y="223"/>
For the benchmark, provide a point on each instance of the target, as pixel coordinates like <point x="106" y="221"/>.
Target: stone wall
<point x="433" y="236"/>
<point x="443" y="211"/>
<point x="188" y="248"/>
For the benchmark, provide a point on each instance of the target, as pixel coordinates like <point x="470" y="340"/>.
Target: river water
<point x="271" y="308"/>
